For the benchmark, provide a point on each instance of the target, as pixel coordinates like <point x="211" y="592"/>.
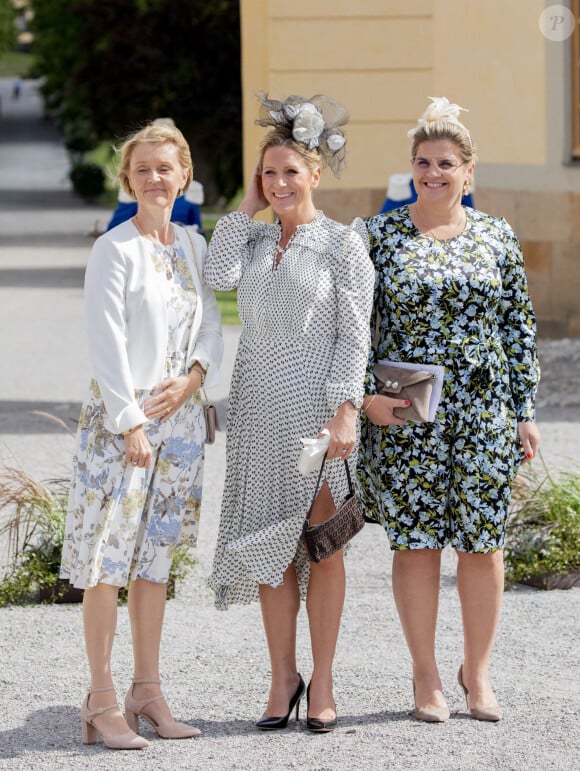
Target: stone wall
<point x="548" y="226"/>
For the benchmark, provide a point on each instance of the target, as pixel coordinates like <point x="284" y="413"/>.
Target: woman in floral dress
<point x="450" y="290"/>
<point x="154" y="336"/>
<point x="304" y="296"/>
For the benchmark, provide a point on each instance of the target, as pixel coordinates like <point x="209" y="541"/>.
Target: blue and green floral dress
<point x="461" y="303"/>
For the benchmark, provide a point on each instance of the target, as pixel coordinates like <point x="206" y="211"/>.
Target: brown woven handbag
<point x="323" y="540"/>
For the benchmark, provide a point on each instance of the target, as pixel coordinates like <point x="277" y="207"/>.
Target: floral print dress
<point x="125" y="522"/>
<point x="461" y="303"/>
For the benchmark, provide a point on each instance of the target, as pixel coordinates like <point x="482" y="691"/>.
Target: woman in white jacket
<point x="154" y="339"/>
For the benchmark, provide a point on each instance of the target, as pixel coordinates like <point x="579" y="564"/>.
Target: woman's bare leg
<point x="280" y="606"/>
<point x="324" y="604"/>
<point x="146" y="612"/>
<point x="416" y="575"/>
<point x="480" y="582"/>
<point x="100" y="623"/>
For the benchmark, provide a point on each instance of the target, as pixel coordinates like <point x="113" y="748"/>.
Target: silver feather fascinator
<point x="314" y="122"/>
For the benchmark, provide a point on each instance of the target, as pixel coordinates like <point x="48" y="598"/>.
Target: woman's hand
<point x="172" y="394"/>
<point x="529" y="438"/>
<point x="254" y="200"/>
<point x="379" y="410"/>
<point x="138" y="451"/>
<point x="342" y="431"/>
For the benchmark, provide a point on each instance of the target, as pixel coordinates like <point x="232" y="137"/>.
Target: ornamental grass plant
<point x="32" y="521"/>
<point x="543" y="530"/>
<point x="32" y="518"/>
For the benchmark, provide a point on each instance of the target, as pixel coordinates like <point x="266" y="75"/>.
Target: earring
<point x="466" y="187"/>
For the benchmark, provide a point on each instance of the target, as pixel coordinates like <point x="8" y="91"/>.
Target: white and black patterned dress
<point x="302" y="352"/>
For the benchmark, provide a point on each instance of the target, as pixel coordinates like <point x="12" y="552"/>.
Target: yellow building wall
<point x="354" y="52"/>
<point x="489" y="56"/>
<point x="383" y="58"/>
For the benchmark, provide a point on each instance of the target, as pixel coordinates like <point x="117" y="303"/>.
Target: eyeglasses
<point x="445" y="165"/>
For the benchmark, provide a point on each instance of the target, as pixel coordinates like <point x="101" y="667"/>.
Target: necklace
<point x="457" y="228"/>
<point x="163" y="255"/>
<point x="156" y="241"/>
<point x="280" y="251"/>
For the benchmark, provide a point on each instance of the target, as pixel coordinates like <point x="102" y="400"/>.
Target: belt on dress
<point x="483" y="356"/>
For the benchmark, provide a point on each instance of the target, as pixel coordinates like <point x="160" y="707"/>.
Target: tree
<point x="7" y="30"/>
<point x="115" y="64"/>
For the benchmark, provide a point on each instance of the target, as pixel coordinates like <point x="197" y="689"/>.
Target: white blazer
<point x="126" y="312"/>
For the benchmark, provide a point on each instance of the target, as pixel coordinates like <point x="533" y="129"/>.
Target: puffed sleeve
<point x="518" y="327"/>
<point x="105" y="281"/>
<point x="354" y="280"/>
<point x="229" y="250"/>
<point x="209" y="346"/>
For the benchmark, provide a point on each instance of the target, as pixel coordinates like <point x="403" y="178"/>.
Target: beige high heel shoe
<point x="491" y="714"/>
<point x="430" y="713"/>
<point x="125" y="741"/>
<point x="136" y="708"/>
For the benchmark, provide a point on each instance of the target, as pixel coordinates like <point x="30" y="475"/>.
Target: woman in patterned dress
<point x="154" y="336"/>
<point x="304" y="299"/>
<point x="450" y="290"/>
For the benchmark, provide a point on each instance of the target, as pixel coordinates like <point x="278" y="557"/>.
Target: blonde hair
<point x="154" y="133"/>
<point x="460" y="137"/>
<point x="282" y="137"/>
<point x="440" y="121"/>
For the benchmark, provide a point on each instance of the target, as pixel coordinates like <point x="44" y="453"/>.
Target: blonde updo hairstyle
<point x="157" y="132"/>
<point x="282" y="137"/>
<point x="460" y="137"/>
<point x="440" y="122"/>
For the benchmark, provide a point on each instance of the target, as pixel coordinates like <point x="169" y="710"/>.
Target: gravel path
<point x="215" y="672"/>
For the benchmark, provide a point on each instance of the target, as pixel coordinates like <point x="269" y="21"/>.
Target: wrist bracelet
<point x="370" y="401"/>
<point x="131" y="430"/>
<point x="198" y="368"/>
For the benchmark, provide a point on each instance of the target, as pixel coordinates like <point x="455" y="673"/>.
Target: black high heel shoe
<point x="274" y="723"/>
<point x="315" y="723"/>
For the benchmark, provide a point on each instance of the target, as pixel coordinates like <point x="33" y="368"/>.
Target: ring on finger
<point x="133" y="462"/>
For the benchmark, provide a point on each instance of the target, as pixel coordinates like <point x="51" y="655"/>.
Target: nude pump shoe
<point x="136" y="708"/>
<point x="430" y="713"/>
<point x="491" y="714"/>
<point x="125" y="741"/>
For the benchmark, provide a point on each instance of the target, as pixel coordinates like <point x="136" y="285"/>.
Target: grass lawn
<point x="228" y="305"/>
<point x="104" y="155"/>
<point x="15" y="63"/>
<point x="227" y="301"/>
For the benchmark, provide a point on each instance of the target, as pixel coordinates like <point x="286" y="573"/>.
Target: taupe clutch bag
<point x="419" y="384"/>
<point x="211" y="422"/>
